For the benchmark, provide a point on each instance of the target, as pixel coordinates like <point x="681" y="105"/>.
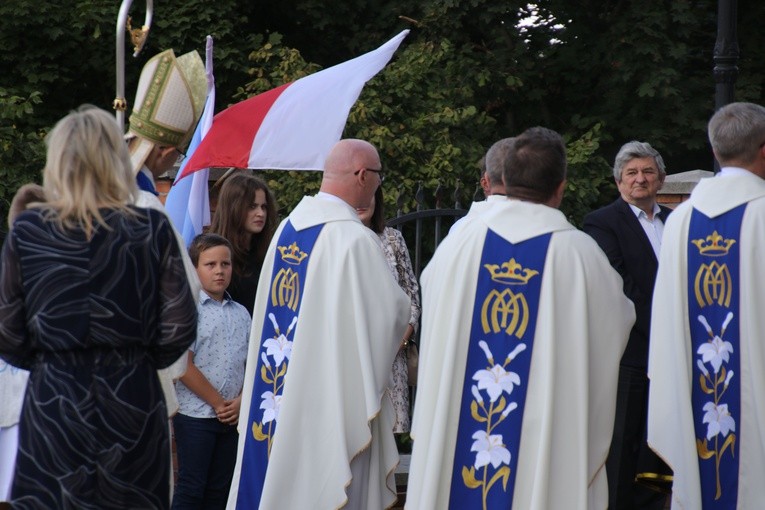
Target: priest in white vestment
<point x="317" y="424"/>
<point x="493" y="188"/>
<point x="524" y="322"/>
<point x="706" y="357"/>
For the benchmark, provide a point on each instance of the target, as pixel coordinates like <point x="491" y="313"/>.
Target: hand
<point x="229" y="412"/>
<point x="219" y="405"/>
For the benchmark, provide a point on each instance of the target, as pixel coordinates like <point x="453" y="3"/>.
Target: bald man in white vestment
<point x="327" y="323"/>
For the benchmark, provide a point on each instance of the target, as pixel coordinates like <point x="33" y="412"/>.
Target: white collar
<point x="334" y="198"/>
<point x="733" y="170"/>
<point x="637" y="210"/>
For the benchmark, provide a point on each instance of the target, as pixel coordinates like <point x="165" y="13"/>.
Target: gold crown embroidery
<point x="717" y="247"/>
<point x="292" y="254"/>
<point x="513" y="273"/>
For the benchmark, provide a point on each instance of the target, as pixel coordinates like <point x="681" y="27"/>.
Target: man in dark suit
<point x="629" y="232"/>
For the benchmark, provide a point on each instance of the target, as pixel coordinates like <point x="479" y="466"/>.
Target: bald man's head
<point x="352" y="172"/>
<point x="350" y="154"/>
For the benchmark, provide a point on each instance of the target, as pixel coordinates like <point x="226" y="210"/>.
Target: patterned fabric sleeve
<point x="406" y="279"/>
<point x="178" y="312"/>
<point x="14" y="347"/>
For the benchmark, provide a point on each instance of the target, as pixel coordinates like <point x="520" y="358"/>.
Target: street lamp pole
<point x="725" y="55"/>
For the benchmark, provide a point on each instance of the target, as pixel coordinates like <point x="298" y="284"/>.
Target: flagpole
<point x="138" y="37"/>
<point x="188" y="202"/>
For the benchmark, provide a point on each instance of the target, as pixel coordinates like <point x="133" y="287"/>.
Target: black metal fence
<point x="425" y="227"/>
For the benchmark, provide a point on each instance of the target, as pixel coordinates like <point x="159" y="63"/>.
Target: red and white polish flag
<point x="292" y="127"/>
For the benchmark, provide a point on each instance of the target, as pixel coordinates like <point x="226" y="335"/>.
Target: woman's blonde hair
<point x="87" y="168"/>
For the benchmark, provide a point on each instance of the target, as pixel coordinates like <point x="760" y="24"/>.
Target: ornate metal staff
<point x="138" y="38"/>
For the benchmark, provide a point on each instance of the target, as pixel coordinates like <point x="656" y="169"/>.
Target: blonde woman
<point x="93" y="300"/>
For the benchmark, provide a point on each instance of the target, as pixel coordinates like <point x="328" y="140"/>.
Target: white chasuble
<point x="316" y="423"/>
<point x="705" y="411"/>
<point x="517" y="385"/>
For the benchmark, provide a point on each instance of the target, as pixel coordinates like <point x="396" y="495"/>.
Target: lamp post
<point x="725" y="55"/>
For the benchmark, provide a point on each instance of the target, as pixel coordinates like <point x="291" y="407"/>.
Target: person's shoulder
<point x="148" y="200"/>
<point x="238" y="309"/>
<point x="146" y="210"/>
<point x="390" y="232"/>
<point x="32" y="215"/>
<point x="604" y="213"/>
<point x="471" y="234"/>
<point x="576" y="241"/>
<point x="28" y="223"/>
<point x="350" y="230"/>
<point x="145" y="217"/>
<point x="574" y="251"/>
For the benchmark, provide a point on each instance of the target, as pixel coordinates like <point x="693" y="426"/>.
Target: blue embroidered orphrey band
<point x="286" y="292"/>
<point x="497" y="372"/>
<point x="714" y="319"/>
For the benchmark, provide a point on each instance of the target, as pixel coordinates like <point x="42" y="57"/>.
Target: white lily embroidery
<point x="279" y="347"/>
<point x="489" y="450"/>
<point x="270" y="405"/>
<point x="715" y="352"/>
<point x="496" y="380"/>
<point x="718" y="419"/>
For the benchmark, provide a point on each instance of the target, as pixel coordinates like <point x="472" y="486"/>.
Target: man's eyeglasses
<point x="179" y="155"/>
<point x="380" y="172"/>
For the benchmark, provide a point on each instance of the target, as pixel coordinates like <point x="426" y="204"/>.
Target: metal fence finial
<point x="457" y="194"/>
<point x="439" y="194"/>
<point x="400" y="201"/>
<point x="419" y="196"/>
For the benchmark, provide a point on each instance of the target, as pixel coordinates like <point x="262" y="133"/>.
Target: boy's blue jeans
<point x="206" y="450"/>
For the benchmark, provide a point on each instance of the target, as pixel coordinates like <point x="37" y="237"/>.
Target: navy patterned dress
<point x="93" y="320"/>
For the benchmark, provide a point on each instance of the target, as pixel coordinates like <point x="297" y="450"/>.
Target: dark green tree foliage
<point x="646" y="76"/>
<point x="68" y="53"/>
<point x="59" y="55"/>
<point x="21" y="151"/>
<point x="436" y="108"/>
<point x="471" y="72"/>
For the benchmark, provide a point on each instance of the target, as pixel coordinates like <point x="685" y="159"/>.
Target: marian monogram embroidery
<point x="285" y="289"/>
